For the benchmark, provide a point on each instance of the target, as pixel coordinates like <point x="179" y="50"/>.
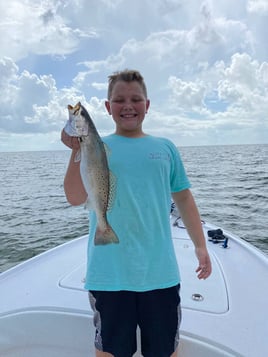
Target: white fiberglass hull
<point x="44" y="309"/>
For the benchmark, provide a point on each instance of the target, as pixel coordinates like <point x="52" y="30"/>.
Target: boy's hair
<point x="126" y="75"/>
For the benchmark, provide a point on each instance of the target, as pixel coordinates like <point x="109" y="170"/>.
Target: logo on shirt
<point x="159" y="156"/>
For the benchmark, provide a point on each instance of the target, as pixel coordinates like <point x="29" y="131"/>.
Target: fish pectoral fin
<point x="87" y="204"/>
<point x="77" y="157"/>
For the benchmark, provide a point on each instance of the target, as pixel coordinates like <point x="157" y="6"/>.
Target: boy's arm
<point x="190" y="216"/>
<point x="73" y="185"/>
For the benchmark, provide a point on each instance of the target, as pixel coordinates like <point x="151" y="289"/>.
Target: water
<point x="230" y="185"/>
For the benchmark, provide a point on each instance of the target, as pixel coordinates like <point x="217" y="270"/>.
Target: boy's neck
<point x="131" y="134"/>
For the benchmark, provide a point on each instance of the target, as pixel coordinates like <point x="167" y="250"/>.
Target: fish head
<point x="78" y="122"/>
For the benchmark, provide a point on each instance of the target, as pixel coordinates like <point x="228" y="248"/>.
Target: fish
<point x="97" y="178"/>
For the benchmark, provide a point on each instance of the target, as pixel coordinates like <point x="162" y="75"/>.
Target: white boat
<point x="44" y="310"/>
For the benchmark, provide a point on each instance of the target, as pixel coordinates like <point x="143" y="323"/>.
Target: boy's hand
<point x="204" y="269"/>
<point x="71" y="141"/>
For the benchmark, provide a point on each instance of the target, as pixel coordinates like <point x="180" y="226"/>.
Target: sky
<point x="205" y="64"/>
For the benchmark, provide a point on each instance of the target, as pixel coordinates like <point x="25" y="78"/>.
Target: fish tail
<point x="105" y="237"/>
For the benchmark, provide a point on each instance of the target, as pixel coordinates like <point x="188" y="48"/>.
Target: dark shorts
<point x="117" y="315"/>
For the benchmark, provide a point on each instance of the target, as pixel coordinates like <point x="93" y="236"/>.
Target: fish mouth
<point x="74" y="109"/>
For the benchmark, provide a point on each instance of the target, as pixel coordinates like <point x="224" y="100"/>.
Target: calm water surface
<point x="230" y="185"/>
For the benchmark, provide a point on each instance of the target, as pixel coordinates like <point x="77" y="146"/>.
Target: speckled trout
<point x="95" y="173"/>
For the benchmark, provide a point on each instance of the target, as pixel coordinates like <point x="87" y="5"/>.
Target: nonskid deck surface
<point x="198" y="295"/>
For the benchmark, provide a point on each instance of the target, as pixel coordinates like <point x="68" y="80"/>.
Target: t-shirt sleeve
<point x="178" y="177"/>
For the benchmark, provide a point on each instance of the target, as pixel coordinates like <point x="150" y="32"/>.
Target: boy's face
<point x="128" y="106"/>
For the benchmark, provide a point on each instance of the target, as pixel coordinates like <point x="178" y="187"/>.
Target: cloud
<point x="176" y="50"/>
<point x="31" y="103"/>
<point x="204" y="64"/>
<point x="187" y="96"/>
<point x="259" y="7"/>
<point x="100" y="86"/>
<point x="242" y="88"/>
<point x="244" y="85"/>
<point x="35" y="27"/>
<point x="34" y="104"/>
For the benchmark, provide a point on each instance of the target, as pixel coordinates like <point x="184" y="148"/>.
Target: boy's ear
<point x="108" y="107"/>
<point x="147" y="104"/>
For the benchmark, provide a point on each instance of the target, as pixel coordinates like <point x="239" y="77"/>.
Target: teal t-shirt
<point x="146" y="171"/>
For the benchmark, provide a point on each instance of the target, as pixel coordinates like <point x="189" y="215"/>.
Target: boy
<point x="136" y="282"/>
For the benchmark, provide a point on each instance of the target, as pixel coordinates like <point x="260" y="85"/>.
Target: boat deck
<point x="218" y="316"/>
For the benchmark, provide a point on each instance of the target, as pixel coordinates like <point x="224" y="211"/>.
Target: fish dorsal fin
<point x="77" y="157"/>
<point x="112" y="190"/>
